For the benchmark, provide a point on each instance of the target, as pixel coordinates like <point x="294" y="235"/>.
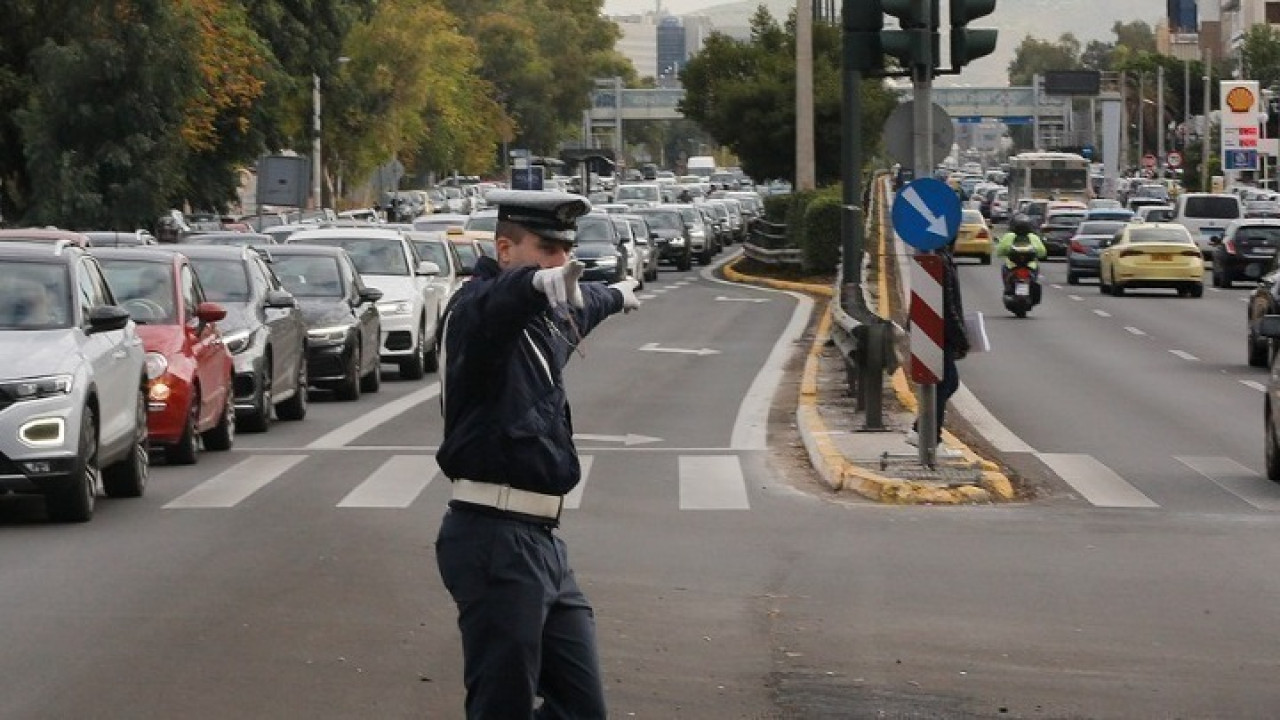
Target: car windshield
<point x="690" y="215"/>
<point x="35" y="296"/>
<point x="433" y="250"/>
<point x="467" y="254"/>
<point x="1096" y="227"/>
<point x="309" y="275"/>
<point x="485" y="223"/>
<point x="1259" y="234"/>
<point x="143" y="288"/>
<point x="1071" y="219"/>
<point x="1160" y="235"/>
<point x="241" y="240"/>
<point x="1213" y="207"/>
<point x="222" y="280"/>
<point x="372" y="256"/>
<point x="971" y="217"/>
<point x="637" y="192"/>
<point x="665" y="220"/>
<point x="597" y="229"/>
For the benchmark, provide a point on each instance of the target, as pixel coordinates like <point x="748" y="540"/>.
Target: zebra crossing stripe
<point x="1099" y="484"/>
<point x="233" y="485"/>
<point x="396" y="484"/>
<point x="1237" y="480"/>
<point x="712" y="482"/>
<point x="573" y="500"/>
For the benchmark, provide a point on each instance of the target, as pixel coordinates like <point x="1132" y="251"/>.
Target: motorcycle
<point x="1022" y="282"/>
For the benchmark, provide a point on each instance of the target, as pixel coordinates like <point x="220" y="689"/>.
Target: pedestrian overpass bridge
<point x="1010" y="105"/>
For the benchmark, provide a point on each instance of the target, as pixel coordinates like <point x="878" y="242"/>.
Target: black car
<point x="344" y="330"/>
<point x="1244" y="251"/>
<point x="668" y="230"/>
<point x="596" y="243"/>
<point x="264" y="331"/>
<point x="1085" y="247"/>
<point x="1057" y="230"/>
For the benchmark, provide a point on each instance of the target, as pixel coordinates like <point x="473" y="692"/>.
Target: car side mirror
<point x="210" y="312"/>
<point x="281" y="300"/>
<point x="426" y="267"/>
<point x="105" y="318"/>
<point x="1269" y="326"/>
<point x="370" y="295"/>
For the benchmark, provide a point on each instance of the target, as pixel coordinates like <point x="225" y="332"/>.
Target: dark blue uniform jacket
<point x="506" y="417"/>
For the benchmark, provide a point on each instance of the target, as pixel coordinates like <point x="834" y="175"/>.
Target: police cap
<point x="552" y="215"/>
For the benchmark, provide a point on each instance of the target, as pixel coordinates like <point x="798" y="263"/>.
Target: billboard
<point x="1072" y="82"/>
<point x="1240" y="117"/>
<point x="1182" y="16"/>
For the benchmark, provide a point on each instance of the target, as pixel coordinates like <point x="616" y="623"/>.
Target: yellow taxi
<point x="1152" y="255"/>
<point x="974" y="238"/>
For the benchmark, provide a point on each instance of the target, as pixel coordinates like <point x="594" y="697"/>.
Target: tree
<point x="1097" y="55"/>
<point x="101" y="128"/>
<point x="1036" y="57"/>
<point x="1135" y="36"/>
<point x="1260" y="52"/>
<point x="743" y="94"/>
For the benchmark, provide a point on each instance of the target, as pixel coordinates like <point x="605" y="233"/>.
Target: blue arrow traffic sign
<point x="926" y="214"/>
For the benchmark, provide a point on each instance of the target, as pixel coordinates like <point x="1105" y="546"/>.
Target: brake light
<point x="1022" y="273"/>
<point x="1076" y="247"/>
<point x="1190" y="253"/>
<point x="1131" y="253"/>
<point x="1230" y="246"/>
<point x="983" y="234"/>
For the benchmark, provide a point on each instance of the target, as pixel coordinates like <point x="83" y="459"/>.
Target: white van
<point x="1206" y="215"/>
<point x="701" y="165"/>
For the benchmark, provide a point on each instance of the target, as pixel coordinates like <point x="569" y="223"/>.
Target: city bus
<point x="1049" y="176"/>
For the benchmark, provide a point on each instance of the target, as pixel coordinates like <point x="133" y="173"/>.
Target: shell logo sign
<point x="1240" y="99"/>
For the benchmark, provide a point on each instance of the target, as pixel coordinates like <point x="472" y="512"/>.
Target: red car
<point x="188" y="366"/>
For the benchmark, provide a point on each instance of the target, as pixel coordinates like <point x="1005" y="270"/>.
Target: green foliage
<point x="776" y="208"/>
<point x="1260" y="53"/>
<point x="742" y="92"/>
<point x="1036" y="57"/>
<point x="822" y="240"/>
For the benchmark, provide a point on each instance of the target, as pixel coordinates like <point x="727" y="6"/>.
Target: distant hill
<point x="1016" y="19"/>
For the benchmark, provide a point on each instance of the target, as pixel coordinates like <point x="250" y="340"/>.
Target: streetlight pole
<point x="1160" y="120"/>
<point x="315" y="143"/>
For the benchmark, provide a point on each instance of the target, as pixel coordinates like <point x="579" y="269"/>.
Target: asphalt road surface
<point x="294" y="577"/>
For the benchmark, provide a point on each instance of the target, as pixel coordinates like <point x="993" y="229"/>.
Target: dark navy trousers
<point x="528" y="632"/>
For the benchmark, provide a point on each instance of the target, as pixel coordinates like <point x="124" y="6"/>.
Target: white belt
<point x="505" y="497"/>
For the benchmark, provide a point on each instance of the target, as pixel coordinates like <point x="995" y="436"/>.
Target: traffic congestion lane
<point x="1071" y="380"/>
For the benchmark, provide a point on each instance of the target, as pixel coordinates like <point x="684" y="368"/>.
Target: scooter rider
<point x="1021" y="237"/>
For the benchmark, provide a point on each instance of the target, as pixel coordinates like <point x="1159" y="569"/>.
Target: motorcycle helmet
<point x="1020" y="225"/>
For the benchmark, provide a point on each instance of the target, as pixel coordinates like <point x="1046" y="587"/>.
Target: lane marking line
<point x="712" y="483"/>
<point x="1185" y="355"/>
<point x="1102" y="313"/>
<point x="396" y="484"/>
<point x="1135" y="331"/>
<point x="231" y="486"/>
<point x="1099" y="484"/>
<point x="344" y="434"/>
<point x="1237" y="480"/>
<point x="1254" y="385"/>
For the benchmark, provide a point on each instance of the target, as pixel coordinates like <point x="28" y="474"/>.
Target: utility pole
<point x="1206" y="139"/>
<point x="805" y="172"/>
<point x="1160" y="120"/>
<point x="315" y="143"/>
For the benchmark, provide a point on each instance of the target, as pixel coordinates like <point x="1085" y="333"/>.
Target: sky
<point x="1086" y="19"/>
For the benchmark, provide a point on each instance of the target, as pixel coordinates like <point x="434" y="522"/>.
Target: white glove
<point x="560" y="284"/>
<point x="628" y="289"/>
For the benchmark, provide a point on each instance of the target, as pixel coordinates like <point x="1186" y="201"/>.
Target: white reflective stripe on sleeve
<point x="443" y="363"/>
<point x="541" y="358"/>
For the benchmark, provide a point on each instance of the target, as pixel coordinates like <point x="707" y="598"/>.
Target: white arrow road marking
<point x="653" y="347"/>
<point x="722" y="298"/>
<point x="628" y="439"/>
<point x="937" y="225"/>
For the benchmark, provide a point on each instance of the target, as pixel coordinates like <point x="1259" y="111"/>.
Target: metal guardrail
<point x="767" y="243"/>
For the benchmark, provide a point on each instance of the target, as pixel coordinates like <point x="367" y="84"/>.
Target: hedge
<point x="820" y="239"/>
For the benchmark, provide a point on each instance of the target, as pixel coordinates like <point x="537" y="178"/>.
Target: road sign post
<point x="926" y="215"/>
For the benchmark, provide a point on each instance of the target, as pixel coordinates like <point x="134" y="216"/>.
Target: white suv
<point x="410" y="307"/>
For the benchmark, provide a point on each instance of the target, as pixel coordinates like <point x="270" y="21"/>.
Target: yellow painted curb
<point x="733" y="275"/>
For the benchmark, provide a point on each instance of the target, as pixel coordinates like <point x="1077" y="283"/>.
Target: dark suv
<point x="667" y="227"/>
<point x="1244" y="251"/>
<point x="264" y="330"/>
<point x="73" y="384"/>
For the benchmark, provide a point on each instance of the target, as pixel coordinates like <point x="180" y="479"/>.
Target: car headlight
<point x="677" y="241"/>
<point x="156" y="365"/>
<point x="399" y="307"/>
<point x="334" y="335"/>
<point x="607" y="262"/>
<point x="237" y="341"/>
<point x="37" y="387"/>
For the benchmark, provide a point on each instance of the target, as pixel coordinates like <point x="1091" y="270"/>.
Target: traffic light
<point x="915" y="43"/>
<point x="863" y="20"/>
<point x="969" y="44"/>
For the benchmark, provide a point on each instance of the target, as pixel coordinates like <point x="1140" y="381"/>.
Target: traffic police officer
<point x="528" y="631"/>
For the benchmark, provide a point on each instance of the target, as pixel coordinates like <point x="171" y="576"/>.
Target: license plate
<point x="1022" y="289"/>
<point x="1262" y="251"/>
<point x="1162" y="257"/>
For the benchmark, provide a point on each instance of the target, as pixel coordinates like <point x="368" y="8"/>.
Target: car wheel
<point x="259" y="419"/>
<point x="223" y="435"/>
<point x="128" y="478"/>
<point x="1272" y="451"/>
<point x="1196" y="290"/>
<point x="985" y="260"/>
<point x="350" y="387"/>
<point x="75" y="502"/>
<point x="705" y="257"/>
<point x="1073" y="279"/>
<point x="372" y="382"/>
<point x="1217" y="276"/>
<point x="1117" y="290"/>
<point x="432" y="358"/>
<point x="1257" y="349"/>
<point x="414" y="367"/>
<point x="295" y="408"/>
<point x="187" y="449"/>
